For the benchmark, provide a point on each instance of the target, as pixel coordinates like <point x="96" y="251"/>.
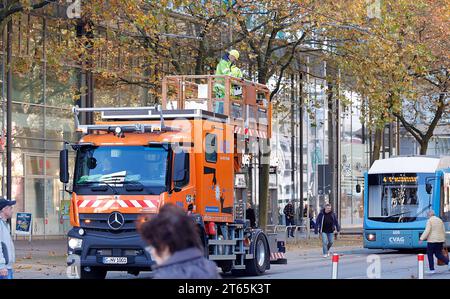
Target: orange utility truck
<point x="192" y="151"/>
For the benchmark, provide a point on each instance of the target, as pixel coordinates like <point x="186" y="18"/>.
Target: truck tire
<point x="261" y="257"/>
<point x="95" y="273"/>
<point x="226" y="266"/>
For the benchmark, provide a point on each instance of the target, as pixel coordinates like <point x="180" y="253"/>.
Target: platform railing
<point x="248" y="108"/>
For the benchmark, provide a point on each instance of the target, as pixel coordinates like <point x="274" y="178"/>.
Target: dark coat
<point x="250" y="215"/>
<point x="187" y="264"/>
<point x="319" y="221"/>
<point x="289" y="211"/>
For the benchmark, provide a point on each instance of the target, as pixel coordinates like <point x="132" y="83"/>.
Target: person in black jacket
<point x="289" y="214"/>
<point x="326" y="224"/>
<point x="250" y="215"/>
<point x="176" y="247"/>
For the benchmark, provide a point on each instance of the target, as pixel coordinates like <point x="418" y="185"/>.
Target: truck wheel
<point x="258" y="264"/>
<point x="226" y="266"/>
<point x="95" y="273"/>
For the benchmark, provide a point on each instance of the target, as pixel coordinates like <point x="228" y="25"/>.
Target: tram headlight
<point x="371" y="237"/>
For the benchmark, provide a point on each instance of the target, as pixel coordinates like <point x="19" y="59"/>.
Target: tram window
<point x="396" y="199"/>
<point x="401" y="196"/>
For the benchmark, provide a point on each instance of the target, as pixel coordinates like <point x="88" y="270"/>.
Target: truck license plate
<point x="115" y="260"/>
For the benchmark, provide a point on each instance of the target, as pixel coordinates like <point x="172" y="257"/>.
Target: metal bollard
<point x="420" y="259"/>
<point x="335" y="261"/>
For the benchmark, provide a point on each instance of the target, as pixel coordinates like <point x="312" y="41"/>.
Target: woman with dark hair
<point x="176" y="247"/>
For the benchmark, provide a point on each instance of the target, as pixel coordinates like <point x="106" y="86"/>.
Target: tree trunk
<point x="199" y="61"/>
<point x="377" y="145"/>
<point x="264" y="188"/>
<point x="264" y="167"/>
<point x="331" y="146"/>
<point x="424" y="146"/>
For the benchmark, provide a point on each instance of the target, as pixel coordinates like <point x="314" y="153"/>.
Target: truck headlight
<point x="371" y="237"/>
<point x="75" y="243"/>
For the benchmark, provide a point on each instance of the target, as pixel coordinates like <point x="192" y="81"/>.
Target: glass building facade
<point x="41" y="122"/>
<point x="353" y="152"/>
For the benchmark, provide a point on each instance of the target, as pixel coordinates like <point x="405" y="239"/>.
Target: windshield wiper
<point x="139" y="185"/>
<point x="100" y="182"/>
<point x="395" y="215"/>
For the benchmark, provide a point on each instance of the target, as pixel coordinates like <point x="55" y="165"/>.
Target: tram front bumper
<point x="392" y="239"/>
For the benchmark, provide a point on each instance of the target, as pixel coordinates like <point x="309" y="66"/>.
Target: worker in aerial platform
<point x="226" y="66"/>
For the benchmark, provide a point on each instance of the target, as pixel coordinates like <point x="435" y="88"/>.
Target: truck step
<point x="222" y="257"/>
<point x="239" y="267"/>
<point x="221" y="242"/>
<point x="237" y="225"/>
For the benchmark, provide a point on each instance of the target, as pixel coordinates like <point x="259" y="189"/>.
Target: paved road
<point x="46" y="259"/>
<point x="353" y="264"/>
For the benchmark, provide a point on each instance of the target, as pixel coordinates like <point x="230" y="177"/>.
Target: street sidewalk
<point x="302" y="242"/>
<point x="40" y="259"/>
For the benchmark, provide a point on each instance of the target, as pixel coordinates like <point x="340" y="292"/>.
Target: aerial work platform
<point x="246" y="104"/>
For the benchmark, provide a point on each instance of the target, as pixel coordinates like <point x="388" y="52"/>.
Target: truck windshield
<point x="119" y="167"/>
<point x="398" y="197"/>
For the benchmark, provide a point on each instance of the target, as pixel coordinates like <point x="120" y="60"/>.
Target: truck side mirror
<point x="428" y="188"/>
<point x="358" y="188"/>
<point x="181" y="167"/>
<point x="64" y="166"/>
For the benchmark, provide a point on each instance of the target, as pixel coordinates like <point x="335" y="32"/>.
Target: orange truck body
<point x="210" y="137"/>
<point x="204" y="192"/>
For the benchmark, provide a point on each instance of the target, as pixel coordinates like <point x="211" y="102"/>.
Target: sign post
<point x="23" y="224"/>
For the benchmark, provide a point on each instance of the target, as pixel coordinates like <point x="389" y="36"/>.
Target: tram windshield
<point x="398" y="197"/>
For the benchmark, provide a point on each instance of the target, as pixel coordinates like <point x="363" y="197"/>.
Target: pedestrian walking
<point x="289" y="215"/>
<point x="175" y="246"/>
<point x="434" y="234"/>
<point x="7" y="251"/>
<point x="250" y="215"/>
<point x="326" y="225"/>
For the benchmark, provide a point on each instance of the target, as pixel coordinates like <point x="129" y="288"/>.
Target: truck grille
<point x="100" y="222"/>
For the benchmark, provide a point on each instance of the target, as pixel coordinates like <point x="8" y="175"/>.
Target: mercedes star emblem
<point x="116" y="220"/>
